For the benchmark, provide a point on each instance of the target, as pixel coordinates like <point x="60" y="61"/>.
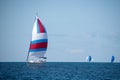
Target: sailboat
<point x="112" y="59"/>
<point x="38" y="44"/>
<point x="89" y="58"/>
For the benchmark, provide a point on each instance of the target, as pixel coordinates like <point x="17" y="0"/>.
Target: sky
<point x="76" y="29"/>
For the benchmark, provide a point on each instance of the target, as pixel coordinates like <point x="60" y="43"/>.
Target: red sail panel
<point x="38" y="45"/>
<point x="42" y="30"/>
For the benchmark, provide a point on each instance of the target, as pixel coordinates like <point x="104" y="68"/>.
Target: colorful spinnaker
<point x="38" y="44"/>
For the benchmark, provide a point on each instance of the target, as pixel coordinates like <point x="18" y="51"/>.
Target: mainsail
<point x="112" y="59"/>
<point x="38" y="44"/>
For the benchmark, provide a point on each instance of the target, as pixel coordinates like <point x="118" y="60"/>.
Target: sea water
<point x="59" y="71"/>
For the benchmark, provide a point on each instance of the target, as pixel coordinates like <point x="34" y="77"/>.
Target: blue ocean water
<point x="59" y="71"/>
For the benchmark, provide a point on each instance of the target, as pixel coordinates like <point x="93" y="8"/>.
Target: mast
<point x="28" y="54"/>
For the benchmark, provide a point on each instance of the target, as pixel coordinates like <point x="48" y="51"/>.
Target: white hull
<point x="37" y="62"/>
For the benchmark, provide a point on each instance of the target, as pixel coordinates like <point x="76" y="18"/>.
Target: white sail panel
<point x="38" y="54"/>
<point x="35" y="27"/>
<point x="39" y="36"/>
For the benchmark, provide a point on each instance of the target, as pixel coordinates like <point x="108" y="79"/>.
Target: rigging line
<point x="28" y="54"/>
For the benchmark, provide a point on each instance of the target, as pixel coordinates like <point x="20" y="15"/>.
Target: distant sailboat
<point x="38" y="44"/>
<point x="112" y="59"/>
<point x="89" y="58"/>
